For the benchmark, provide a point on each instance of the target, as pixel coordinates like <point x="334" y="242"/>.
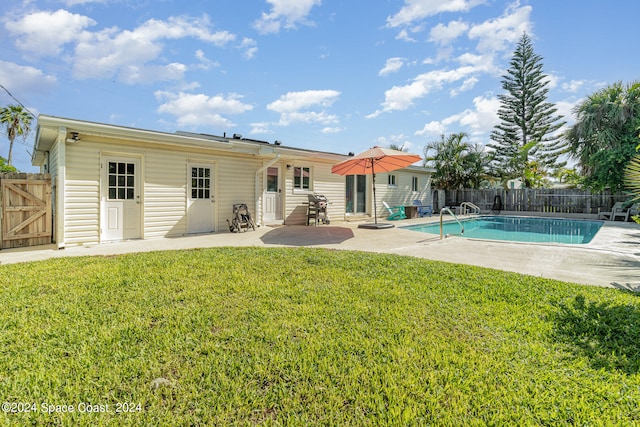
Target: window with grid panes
<point x="200" y="183"/>
<point x="121" y="180"/>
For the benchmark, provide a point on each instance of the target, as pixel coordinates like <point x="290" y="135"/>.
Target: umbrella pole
<point x="375" y="207"/>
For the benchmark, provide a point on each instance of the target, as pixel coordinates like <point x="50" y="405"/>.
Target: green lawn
<point x="250" y="336"/>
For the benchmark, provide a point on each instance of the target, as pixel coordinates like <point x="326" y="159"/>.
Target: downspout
<point x="257" y="190"/>
<point x="60" y="190"/>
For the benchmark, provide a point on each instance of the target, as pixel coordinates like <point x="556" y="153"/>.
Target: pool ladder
<point x="445" y="209"/>
<point x="468" y="205"/>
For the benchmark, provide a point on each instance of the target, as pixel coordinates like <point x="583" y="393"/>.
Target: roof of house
<point x="49" y="129"/>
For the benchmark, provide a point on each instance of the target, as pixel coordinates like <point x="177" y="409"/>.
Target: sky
<point x="331" y="75"/>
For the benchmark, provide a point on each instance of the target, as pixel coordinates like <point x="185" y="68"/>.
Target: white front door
<point x="272" y="201"/>
<point x="200" y="200"/>
<point x="121" y="204"/>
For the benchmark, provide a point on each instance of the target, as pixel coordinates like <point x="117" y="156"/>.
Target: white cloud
<point x="260" y="128"/>
<point x="205" y="63"/>
<point x="294" y="101"/>
<point x="402" y="97"/>
<point x="573" y="86"/>
<point x="285" y="13"/>
<point x="302" y="107"/>
<point x="46" y="33"/>
<point x="404" y="35"/>
<point x="200" y="109"/>
<point x="82" y="2"/>
<point x="565" y="109"/>
<point x="250" y="47"/>
<point x="329" y="130"/>
<point x="25" y="79"/>
<point x="416" y="10"/>
<point x="479" y="121"/>
<point x="445" y="34"/>
<point x="495" y="35"/>
<point x="468" y="84"/>
<point x="145" y="74"/>
<point x="391" y="66"/>
<point x="125" y="54"/>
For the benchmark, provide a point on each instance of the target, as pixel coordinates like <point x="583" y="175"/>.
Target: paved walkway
<point x="611" y="259"/>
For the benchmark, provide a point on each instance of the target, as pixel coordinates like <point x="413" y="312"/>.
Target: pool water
<point x="518" y="229"/>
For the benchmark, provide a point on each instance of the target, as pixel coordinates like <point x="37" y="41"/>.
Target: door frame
<point x="214" y="191"/>
<point x="367" y="196"/>
<point x="279" y="216"/>
<point x="105" y="157"/>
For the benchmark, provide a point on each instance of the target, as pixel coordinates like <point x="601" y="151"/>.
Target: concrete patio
<point x="612" y="259"/>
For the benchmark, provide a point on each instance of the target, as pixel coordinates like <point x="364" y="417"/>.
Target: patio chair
<point x="396" y="212"/>
<point x="616" y="211"/>
<point x="634" y="210"/>
<point x="423" y="210"/>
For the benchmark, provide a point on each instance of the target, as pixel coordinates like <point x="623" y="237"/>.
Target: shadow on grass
<point x="608" y="335"/>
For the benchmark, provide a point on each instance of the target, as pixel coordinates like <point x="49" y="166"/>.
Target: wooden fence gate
<point x="25" y="212"/>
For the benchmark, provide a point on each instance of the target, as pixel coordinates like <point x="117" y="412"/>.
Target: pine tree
<point x="526" y="141"/>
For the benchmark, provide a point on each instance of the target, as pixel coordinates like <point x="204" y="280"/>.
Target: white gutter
<point x="257" y="191"/>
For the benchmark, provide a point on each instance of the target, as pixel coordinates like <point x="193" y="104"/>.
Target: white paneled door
<point x="272" y="205"/>
<point x="201" y="198"/>
<point x="121" y="204"/>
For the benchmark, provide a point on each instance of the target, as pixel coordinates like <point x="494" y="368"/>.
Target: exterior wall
<point x="402" y="194"/>
<point x="164" y="187"/>
<point x="164" y="180"/>
<point x="324" y="183"/>
<point x="236" y="183"/>
<point x="81" y="194"/>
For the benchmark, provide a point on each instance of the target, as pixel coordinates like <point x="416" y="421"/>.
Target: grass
<point x="250" y="336"/>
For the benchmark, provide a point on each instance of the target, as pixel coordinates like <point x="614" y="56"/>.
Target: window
<point x="121" y="180"/>
<point x="414" y="183"/>
<point x="200" y="183"/>
<point x="301" y="178"/>
<point x="392" y="180"/>
<point x="272" y="180"/>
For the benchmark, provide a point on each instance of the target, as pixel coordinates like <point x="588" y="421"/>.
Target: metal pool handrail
<point x="464" y="205"/>
<point x="445" y="209"/>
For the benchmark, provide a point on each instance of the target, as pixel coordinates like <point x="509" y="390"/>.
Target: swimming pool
<point x="518" y="229"/>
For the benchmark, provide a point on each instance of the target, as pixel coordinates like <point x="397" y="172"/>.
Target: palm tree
<point x="605" y="134"/>
<point x="632" y="176"/>
<point x="18" y="122"/>
<point x="398" y="147"/>
<point x="458" y="163"/>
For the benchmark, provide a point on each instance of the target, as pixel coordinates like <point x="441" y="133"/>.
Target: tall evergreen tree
<point x="526" y="140"/>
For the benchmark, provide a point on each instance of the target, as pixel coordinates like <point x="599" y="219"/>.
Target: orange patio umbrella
<point x="372" y="161"/>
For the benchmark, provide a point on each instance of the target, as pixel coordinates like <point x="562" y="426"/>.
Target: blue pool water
<point x="518" y="229"/>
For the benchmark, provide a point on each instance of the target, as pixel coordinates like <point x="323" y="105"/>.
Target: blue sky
<point x="331" y="75"/>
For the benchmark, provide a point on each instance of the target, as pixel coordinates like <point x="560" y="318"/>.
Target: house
<point x="112" y="183"/>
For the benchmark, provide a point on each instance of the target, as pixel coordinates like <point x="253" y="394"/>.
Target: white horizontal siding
<point x="165" y="193"/>
<point x="402" y="194"/>
<point x="236" y="184"/>
<point x="165" y="184"/>
<point x="82" y="195"/>
<point x="324" y="183"/>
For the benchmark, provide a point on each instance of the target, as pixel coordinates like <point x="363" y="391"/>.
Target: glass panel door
<point x="356" y="194"/>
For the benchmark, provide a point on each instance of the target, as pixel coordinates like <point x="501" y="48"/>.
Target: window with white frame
<point x="392" y="180"/>
<point x="301" y="178"/>
<point x="414" y="183"/>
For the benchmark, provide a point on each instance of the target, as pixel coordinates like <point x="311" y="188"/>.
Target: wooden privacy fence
<point x="25" y="213"/>
<point x="562" y="201"/>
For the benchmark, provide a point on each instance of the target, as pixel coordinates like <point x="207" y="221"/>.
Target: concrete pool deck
<point x="611" y="259"/>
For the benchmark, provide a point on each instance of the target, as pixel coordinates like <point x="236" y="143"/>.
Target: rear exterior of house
<point x="112" y="183"/>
